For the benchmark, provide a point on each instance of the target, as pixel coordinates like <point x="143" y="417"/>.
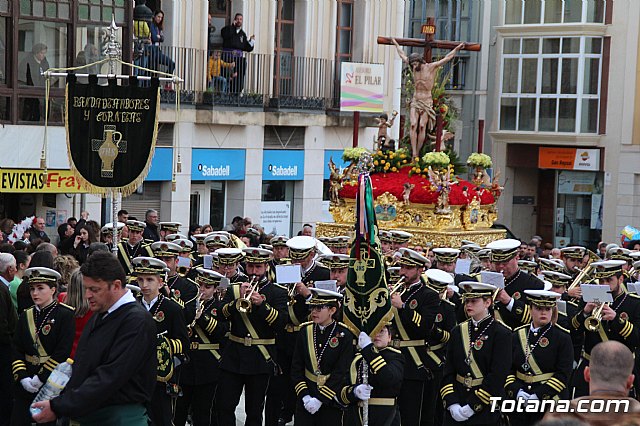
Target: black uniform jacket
<point x="321" y="361"/>
<point x="624" y="328"/>
<point x="55" y="327"/>
<point x="115" y="363"/>
<point x="126" y="253"/>
<point x="413" y="326"/>
<point x="205" y="349"/>
<point x="184" y="292"/>
<point x="515" y="286"/>
<point x="548" y="367"/>
<point x="170" y="323"/>
<point x="265" y="319"/>
<point x="488" y="347"/>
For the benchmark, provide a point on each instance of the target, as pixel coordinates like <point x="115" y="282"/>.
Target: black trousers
<point x="161" y="406"/>
<point x="6" y="384"/>
<point x="236" y="85"/>
<point x="410" y="401"/>
<point x="325" y="416"/>
<point x="579" y="386"/>
<point x="431" y="402"/>
<point x="379" y="415"/>
<point x="281" y="400"/>
<point x="227" y="399"/>
<point x="199" y="401"/>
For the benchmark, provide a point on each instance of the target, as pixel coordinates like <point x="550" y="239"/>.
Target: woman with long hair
<point x="65" y="265"/>
<point x="157" y="37"/>
<point x="75" y="298"/>
<point x="85" y="235"/>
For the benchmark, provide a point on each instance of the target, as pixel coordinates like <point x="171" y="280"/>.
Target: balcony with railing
<point x="270" y="82"/>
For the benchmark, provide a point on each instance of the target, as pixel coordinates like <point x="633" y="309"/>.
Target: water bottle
<point x="56" y="382"/>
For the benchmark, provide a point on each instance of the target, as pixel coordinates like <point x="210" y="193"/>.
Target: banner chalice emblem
<point x="108" y="149"/>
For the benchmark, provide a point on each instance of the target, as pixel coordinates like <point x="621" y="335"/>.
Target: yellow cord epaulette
<point x="562" y="313"/>
<point x="304" y="324"/>
<point x="344" y="325"/>
<point x="389" y="348"/>
<point x="280" y="286"/>
<point x="522" y="326"/>
<point x="572" y="303"/>
<point x="449" y="302"/>
<point x="562" y="328"/>
<point x="67" y="306"/>
<point x="635" y="296"/>
<point x="505" y="325"/>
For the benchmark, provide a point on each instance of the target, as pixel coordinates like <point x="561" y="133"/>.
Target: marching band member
<point x="201" y="247"/>
<point x="542" y="361"/>
<point x="338" y="265"/>
<point x="133" y="247"/>
<point x="386" y="370"/>
<point x="386" y="246"/>
<point x="177" y="288"/>
<point x="106" y="234"/>
<point x="280" y="255"/>
<point x="400" y="239"/>
<point x="43" y="339"/>
<point x="529" y="266"/>
<point x="199" y="377"/>
<point x="257" y="311"/>
<point x="559" y="284"/>
<point x="171" y="331"/>
<point x="168" y="228"/>
<point x="415" y="307"/>
<point x="176" y="236"/>
<point x="619" y="321"/>
<point x="229" y="264"/>
<point x="484" y="256"/>
<point x="572" y="257"/>
<point x="320" y="366"/>
<point x="338" y="245"/>
<point x="187" y="248"/>
<point x="511" y="302"/>
<point x="478" y="361"/>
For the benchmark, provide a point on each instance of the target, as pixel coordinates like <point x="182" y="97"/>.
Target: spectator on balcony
<point x="211" y="36"/>
<point x="234" y="44"/>
<point x="157" y="57"/>
<point x="30" y="74"/>
<point x="141" y="43"/>
<point x="216" y="79"/>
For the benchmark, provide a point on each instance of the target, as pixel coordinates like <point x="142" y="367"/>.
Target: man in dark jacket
<point x="151" y="233"/>
<point x="234" y="43"/>
<point x="114" y="373"/>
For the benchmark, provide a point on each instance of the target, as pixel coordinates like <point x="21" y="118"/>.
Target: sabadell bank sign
<point x="218" y="164"/>
<point x="283" y="165"/>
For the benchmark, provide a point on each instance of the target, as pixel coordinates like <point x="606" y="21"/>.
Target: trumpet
<point x="398" y="287"/>
<point x="244" y="303"/>
<point x="592" y="323"/>
<point x="585" y="272"/>
<point x="182" y="270"/>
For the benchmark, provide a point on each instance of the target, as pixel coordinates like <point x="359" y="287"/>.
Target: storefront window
<point x="217" y="203"/>
<point x="579" y="208"/>
<point x="540" y="89"/>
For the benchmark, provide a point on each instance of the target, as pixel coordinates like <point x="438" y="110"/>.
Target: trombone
<point x="244" y="303"/>
<point x="398" y="287"/>
<point x="585" y="272"/>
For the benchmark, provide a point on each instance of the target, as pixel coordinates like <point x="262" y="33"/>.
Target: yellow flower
<point x="375" y="163"/>
<point x="379" y="152"/>
<point x="403" y="156"/>
<point x="404" y="161"/>
<point x="425" y="170"/>
<point x="393" y="169"/>
<point x="391" y="155"/>
<point x="382" y="161"/>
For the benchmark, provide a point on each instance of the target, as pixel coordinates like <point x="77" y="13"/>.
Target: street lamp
<point x="142" y="12"/>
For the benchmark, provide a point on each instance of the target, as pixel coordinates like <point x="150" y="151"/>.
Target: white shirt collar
<point x="149" y="305"/>
<point x="4" y="281"/>
<point x="126" y="298"/>
<point x="475" y="323"/>
<point x="534" y="329"/>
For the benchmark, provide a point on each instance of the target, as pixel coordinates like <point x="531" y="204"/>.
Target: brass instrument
<point x="585" y="272"/>
<point x="592" y="323"/>
<point x="398" y="287"/>
<point x="182" y="270"/>
<point x="199" y="309"/>
<point x="244" y="303"/>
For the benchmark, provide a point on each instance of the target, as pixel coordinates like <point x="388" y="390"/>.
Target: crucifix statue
<point x="422" y="116"/>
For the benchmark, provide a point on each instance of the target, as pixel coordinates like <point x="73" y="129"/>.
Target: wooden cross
<point x="428" y="44"/>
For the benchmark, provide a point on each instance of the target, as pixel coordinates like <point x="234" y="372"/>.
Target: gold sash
<point x="34" y="335"/>
<point x="206" y="341"/>
<point x="403" y="334"/>
<point x="466" y="344"/>
<point x="252" y="331"/>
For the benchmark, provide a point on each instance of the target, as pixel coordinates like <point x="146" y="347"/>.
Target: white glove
<point x="363" y="340"/>
<point x="455" y="410"/>
<point x="533" y="397"/>
<point x="522" y="394"/>
<point x="26" y="384"/>
<point x="35" y="381"/>
<point x="467" y="411"/>
<point x="305" y="399"/>
<point x="363" y="392"/>
<point x="313" y="405"/>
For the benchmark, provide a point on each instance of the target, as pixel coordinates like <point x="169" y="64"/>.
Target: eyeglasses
<point x="319" y="307"/>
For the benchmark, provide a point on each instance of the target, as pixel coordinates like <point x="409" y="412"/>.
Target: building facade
<point x="562" y="117"/>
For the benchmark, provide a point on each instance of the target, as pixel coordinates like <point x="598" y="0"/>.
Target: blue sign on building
<point x="336" y="156"/>
<point x="217" y="164"/>
<point x="280" y="164"/>
<point x="161" y="165"/>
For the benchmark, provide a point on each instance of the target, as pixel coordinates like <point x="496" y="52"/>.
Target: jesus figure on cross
<point x="421" y="115"/>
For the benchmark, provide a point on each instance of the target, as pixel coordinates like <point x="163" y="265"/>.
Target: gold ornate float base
<point x="422" y="237"/>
